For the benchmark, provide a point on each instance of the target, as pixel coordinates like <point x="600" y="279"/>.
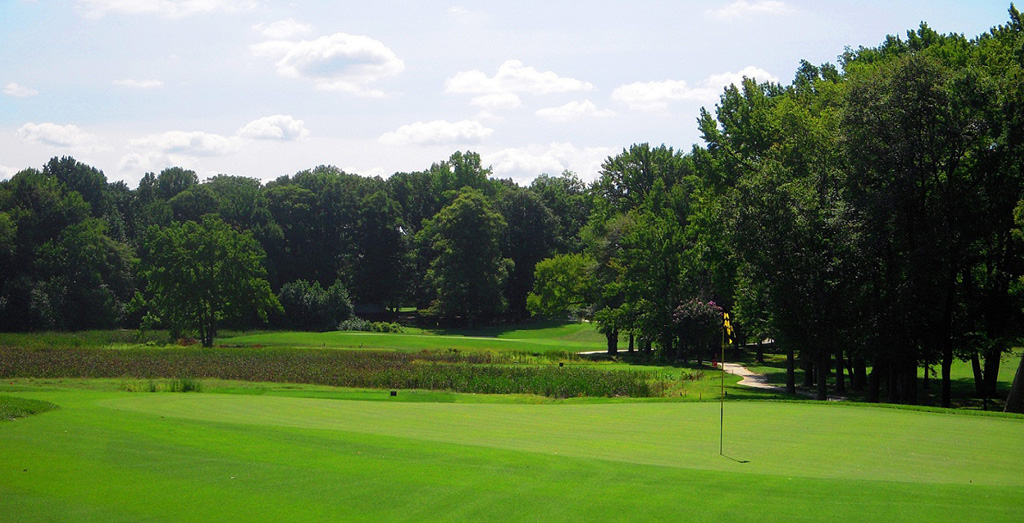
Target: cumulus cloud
<point x="19" y="91"/>
<point x="437" y="132"/>
<point x="573" y="111"/>
<point x="139" y="84"/>
<point x="7" y="172"/>
<point x="339" y="62"/>
<point x="741" y="8"/>
<point x="191" y="143"/>
<point x="283" y="29"/>
<point x="66" y="136"/>
<point x="513" y="77"/>
<point x="168" y="8"/>
<point x="523" y="164"/>
<point x="656" y="96"/>
<point x="277" y="127"/>
<point x="497" y="101"/>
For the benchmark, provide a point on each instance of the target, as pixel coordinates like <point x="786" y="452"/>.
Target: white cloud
<point x="7" y="172"/>
<point x="194" y="143"/>
<point x="368" y="172"/>
<point x="741" y="8"/>
<point x="139" y="84"/>
<point x="437" y="132"/>
<point x="655" y="96"/>
<point x="497" y="101"/>
<point x="573" y="111"/>
<point x="20" y="91"/>
<point x="283" y="29"/>
<point x="513" y="77"/>
<point x="168" y="8"/>
<point x="68" y="136"/>
<point x="152" y="161"/>
<point x="339" y="62"/>
<point x="526" y="163"/>
<point x="277" y="127"/>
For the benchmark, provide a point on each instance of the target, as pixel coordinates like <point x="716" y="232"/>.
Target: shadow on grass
<point x="497" y="330"/>
<point x="730" y="458"/>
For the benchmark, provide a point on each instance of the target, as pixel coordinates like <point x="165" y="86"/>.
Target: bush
<point x="308" y="306"/>
<point x="356" y="323"/>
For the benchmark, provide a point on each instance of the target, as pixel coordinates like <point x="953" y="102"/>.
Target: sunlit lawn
<point x="259" y="452"/>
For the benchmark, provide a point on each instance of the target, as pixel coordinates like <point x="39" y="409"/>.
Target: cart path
<point x="750" y="379"/>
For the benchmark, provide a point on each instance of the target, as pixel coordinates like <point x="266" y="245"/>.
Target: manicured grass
<point x="118" y="456"/>
<point x="539" y="337"/>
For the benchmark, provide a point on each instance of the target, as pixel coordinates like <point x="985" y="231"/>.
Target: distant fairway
<point x="111" y="456"/>
<point x="540" y="337"/>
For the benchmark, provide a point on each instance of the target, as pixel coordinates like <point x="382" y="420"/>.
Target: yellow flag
<point x="727" y="325"/>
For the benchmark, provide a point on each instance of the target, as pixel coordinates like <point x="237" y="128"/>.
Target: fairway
<point x="539" y="338"/>
<point x="219" y="457"/>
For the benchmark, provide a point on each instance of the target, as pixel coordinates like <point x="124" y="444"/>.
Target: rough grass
<point x="119" y="456"/>
<point x="12" y="408"/>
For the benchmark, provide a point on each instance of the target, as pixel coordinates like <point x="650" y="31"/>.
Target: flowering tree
<point x="698" y="324"/>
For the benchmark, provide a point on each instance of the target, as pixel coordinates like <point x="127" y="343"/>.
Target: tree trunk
<point x="1015" y="400"/>
<point x="979" y="375"/>
<point x="821" y="373"/>
<point x="632" y="335"/>
<point x="760" y="352"/>
<point x="840" y="373"/>
<point x="860" y="374"/>
<point x="790" y="371"/>
<point x="807" y="364"/>
<point x="947" y="343"/>
<point x="875" y="383"/>
<point x="947" y="365"/>
<point x="992" y="360"/>
<point x="613" y="341"/>
<point x="910" y="383"/>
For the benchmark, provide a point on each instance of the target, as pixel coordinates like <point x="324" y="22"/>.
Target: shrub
<point x="355" y="323"/>
<point x="308" y="306"/>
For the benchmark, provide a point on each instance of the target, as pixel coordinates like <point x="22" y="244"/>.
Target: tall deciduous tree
<point x="468" y="271"/>
<point x="201" y="273"/>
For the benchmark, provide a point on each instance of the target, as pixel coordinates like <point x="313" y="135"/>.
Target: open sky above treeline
<point x="263" y="88"/>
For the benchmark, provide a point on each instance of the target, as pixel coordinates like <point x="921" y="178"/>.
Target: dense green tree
<point x="383" y="259"/>
<point x="529" y="237"/>
<point x="562" y="286"/>
<point x="193" y="203"/>
<point x="201" y="273"/>
<point x="570" y="203"/>
<point x="308" y="306"/>
<point x="467" y="270"/>
<point x="85" y="278"/>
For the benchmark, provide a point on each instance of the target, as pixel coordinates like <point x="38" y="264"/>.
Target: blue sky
<point x="263" y="88"/>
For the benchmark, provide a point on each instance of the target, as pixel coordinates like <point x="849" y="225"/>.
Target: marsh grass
<point x="476" y="372"/>
<point x="171" y="385"/>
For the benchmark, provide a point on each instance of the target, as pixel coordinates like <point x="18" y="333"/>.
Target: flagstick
<point x="721" y="419"/>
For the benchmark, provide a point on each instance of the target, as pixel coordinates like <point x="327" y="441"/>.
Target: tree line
<point x="866" y="215"/>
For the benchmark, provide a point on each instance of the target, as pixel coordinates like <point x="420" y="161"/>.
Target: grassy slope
<point x="214" y="457"/>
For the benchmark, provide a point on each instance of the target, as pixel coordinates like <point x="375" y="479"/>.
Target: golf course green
<point x="279" y="453"/>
